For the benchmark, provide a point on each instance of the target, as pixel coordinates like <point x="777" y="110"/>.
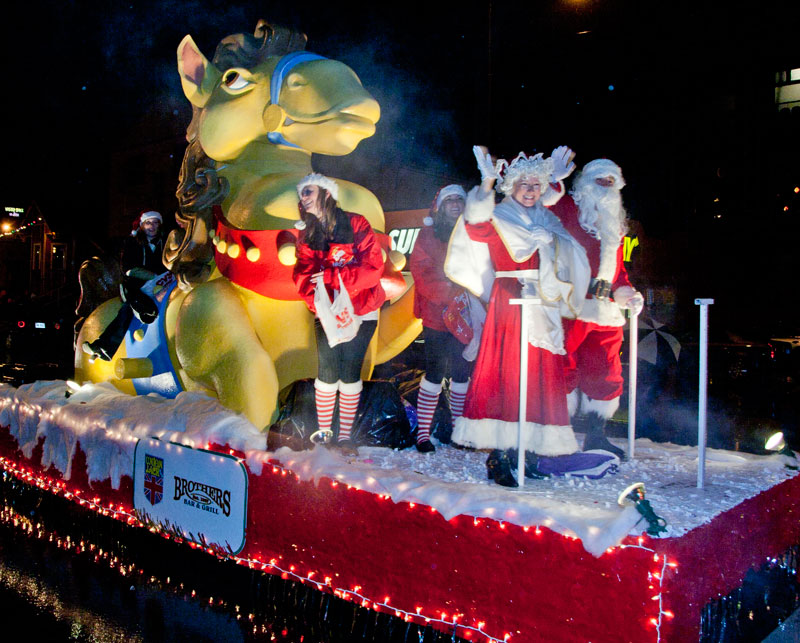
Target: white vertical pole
<point x="633" y="365"/>
<point x="523" y="382"/>
<point x="703" y="392"/>
<point x="523" y="393"/>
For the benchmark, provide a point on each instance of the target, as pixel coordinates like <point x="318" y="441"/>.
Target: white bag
<point x="338" y="319"/>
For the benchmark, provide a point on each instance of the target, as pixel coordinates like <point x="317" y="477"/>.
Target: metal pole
<point x="633" y="364"/>
<point x="523" y="382"/>
<point x="523" y="388"/>
<point x="703" y="392"/>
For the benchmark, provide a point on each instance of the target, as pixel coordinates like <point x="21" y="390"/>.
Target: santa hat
<point x="448" y="190"/>
<point x="322" y="181"/>
<point x="147" y="215"/>
<point x="601" y="168"/>
<point x="524" y="166"/>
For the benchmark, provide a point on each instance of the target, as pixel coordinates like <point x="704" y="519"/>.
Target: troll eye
<point x="234" y="80"/>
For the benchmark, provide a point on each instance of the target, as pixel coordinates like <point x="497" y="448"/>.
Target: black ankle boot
<point x="531" y="460"/>
<point x="142" y="305"/>
<point x="498" y="468"/>
<point x="596" y="436"/>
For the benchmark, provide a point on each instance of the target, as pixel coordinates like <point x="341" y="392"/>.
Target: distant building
<point x="34" y="260"/>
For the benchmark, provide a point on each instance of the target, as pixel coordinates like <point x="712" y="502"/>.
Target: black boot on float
<point x="531" y="462"/>
<point x="498" y="468"/>
<point x="596" y="436"/>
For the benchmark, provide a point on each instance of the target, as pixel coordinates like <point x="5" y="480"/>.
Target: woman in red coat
<point x="433" y="293"/>
<point x="337" y="248"/>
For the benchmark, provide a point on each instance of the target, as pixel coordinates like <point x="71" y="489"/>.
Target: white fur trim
<point x="322" y="181"/>
<point x="603" y="312"/>
<point x="480" y="206"/>
<point x="450" y="190"/>
<point x="609" y="245"/>
<point x="573" y="402"/>
<point x="300" y="225"/>
<point x="430" y="387"/>
<point x="544" y="439"/>
<point x="603" y="408"/>
<point x="551" y="196"/>
<point x="351" y="388"/>
<point x="150" y="214"/>
<point x="459" y="387"/>
<point x="326" y="387"/>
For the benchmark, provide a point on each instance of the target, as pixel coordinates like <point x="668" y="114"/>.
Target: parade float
<point x="173" y="435"/>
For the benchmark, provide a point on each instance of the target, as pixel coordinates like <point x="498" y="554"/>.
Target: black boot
<point x="143" y="306"/>
<point x="531" y="460"/>
<point x="596" y="436"/>
<point x="498" y="467"/>
<point x="531" y="466"/>
<point x="107" y="344"/>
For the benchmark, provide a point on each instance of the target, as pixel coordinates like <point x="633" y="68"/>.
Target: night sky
<point x="680" y="94"/>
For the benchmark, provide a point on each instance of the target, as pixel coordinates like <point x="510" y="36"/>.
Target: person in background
<point x="141" y="261"/>
<point x="337" y="248"/>
<point x="434" y="293"/>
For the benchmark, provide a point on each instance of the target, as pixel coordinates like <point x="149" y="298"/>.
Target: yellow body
<point x="223" y="339"/>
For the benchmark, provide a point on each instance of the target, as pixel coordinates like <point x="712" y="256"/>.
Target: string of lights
<point x="13" y="231"/>
<point x="324" y="583"/>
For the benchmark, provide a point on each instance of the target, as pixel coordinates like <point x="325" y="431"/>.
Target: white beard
<point x="603" y="217"/>
<point x="601" y="211"/>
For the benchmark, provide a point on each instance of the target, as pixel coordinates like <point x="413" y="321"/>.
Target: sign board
<point x="197" y="491"/>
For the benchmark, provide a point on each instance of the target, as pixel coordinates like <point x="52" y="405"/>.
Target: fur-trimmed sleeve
<point x="480" y="206"/>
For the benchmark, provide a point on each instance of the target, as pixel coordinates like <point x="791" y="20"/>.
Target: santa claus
<point x="593" y="214"/>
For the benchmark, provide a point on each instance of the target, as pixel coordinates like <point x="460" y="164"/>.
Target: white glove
<point x="627" y="297"/>
<point x="562" y="163"/>
<point x="636" y="303"/>
<point x="487" y="168"/>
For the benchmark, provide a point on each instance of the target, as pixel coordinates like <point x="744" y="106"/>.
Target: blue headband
<point x="283" y="67"/>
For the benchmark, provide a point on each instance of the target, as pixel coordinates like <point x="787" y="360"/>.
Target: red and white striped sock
<point x="458" y="394"/>
<point x="349" y="396"/>
<point x="427" y="399"/>
<point x="325" y="398"/>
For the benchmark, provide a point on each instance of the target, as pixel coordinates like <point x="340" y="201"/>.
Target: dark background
<point x="680" y="94"/>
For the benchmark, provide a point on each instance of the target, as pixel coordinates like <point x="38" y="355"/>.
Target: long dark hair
<point x="332" y="226"/>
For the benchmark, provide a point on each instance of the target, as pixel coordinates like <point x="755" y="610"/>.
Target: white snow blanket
<point x="453" y="481"/>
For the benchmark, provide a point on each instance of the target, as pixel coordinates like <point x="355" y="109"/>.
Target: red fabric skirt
<point x="494" y="388"/>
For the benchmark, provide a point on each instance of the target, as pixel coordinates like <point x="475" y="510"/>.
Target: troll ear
<point x="198" y="76"/>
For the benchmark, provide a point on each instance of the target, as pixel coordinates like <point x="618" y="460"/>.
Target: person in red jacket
<point x="593" y="214"/>
<point x="433" y="293"/>
<point x="337" y="248"/>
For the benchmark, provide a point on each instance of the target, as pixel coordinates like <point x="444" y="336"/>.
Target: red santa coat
<point x="360" y="265"/>
<point x="593" y="340"/>
<point x="491" y="413"/>
<point x="433" y="291"/>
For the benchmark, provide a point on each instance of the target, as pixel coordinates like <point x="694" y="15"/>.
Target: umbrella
<point x="648" y="345"/>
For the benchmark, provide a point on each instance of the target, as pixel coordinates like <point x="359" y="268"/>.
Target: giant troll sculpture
<point x="235" y="327"/>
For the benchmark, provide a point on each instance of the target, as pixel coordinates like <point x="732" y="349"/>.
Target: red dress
<point x="491" y="414"/>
